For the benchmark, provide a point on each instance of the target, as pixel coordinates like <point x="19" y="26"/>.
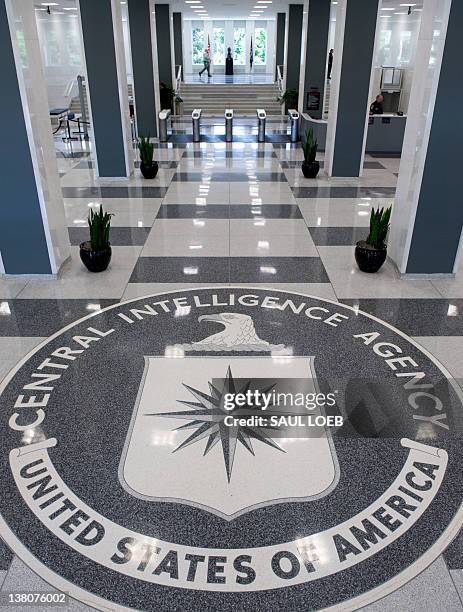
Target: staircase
<point x="214" y="98"/>
<point x="74" y="107"/>
<point x="327" y="99"/>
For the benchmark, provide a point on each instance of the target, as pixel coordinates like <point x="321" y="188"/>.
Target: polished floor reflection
<point x="240" y="213"/>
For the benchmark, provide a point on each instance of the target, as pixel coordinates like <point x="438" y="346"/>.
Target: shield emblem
<point x="175" y="452"/>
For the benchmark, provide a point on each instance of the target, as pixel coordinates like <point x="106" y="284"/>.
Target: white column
<point x="425" y="86"/>
<point x="41" y="153"/>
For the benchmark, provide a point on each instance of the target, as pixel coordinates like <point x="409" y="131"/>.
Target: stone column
<point x="356" y="25"/>
<point x="425" y="237"/>
<point x="313" y="73"/>
<point x="143" y="66"/>
<point x="33" y="231"/>
<point x="107" y="86"/>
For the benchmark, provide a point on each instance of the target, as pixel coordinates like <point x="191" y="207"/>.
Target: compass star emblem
<point x="207" y="418"/>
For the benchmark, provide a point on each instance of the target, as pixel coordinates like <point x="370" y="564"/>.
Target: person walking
<point x="330" y="63"/>
<point x="207" y="64"/>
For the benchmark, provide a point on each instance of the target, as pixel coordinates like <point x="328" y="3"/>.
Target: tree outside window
<point x="22" y="47"/>
<point x="385" y="47"/>
<point x="218" y="46"/>
<point x="239" y="41"/>
<point x="405" y="47"/>
<point x="197" y="36"/>
<point x="73" y="47"/>
<point x="52" y="50"/>
<point x="260" y="53"/>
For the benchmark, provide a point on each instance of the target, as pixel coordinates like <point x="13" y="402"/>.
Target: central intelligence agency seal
<point x="123" y="484"/>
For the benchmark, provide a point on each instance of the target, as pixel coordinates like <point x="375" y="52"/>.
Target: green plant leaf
<point x="99" y="224"/>
<point x="379" y="227"/>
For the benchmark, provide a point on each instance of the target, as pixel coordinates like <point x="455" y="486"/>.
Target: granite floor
<point x="236" y="213"/>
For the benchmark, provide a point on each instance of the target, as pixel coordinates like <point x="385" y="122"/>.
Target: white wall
<point x="228" y="25"/>
<point x="397" y="46"/>
<point x="61" y="49"/>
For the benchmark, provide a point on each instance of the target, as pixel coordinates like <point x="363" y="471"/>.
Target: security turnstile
<point x="164" y="118"/>
<point x="293" y="118"/>
<point x="196" y="120"/>
<point x="228" y="124"/>
<point x="261" y="121"/>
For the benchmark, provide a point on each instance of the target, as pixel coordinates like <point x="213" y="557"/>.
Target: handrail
<point x="178" y="78"/>
<point x="68" y="90"/>
<point x="281" y="87"/>
<point x="280" y="80"/>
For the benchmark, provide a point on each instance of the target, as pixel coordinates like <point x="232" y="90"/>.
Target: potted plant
<point x="310" y="166"/>
<point x="289" y="98"/>
<point x="370" y="254"/>
<point x="96" y="252"/>
<point x="148" y="167"/>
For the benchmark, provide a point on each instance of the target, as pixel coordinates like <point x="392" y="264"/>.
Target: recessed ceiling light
<point x="69" y="8"/>
<point x="408" y="4"/>
<point x="388" y="9"/>
<point x="50" y="4"/>
<point x="400" y="13"/>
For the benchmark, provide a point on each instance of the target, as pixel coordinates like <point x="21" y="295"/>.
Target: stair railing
<point x="281" y="86"/>
<point x="178" y="84"/>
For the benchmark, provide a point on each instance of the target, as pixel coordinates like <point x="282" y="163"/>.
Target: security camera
<point x="409" y="10"/>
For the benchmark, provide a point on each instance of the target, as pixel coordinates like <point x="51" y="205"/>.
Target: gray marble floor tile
<point x="343" y="192"/>
<point x="75" y="281"/>
<point x="12" y="349"/>
<point x="233" y="211"/>
<point x="449" y="351"/>
<point x="337" y="236"/>
<point x="11" y="287"/>
<point x="114" y="192"/>
<point x="431" y="591"/>
<point x="277" y="270"/>
<point x="228" y="177"/>
<point x="21" y="579"/>
<point x="6" y="556"/>
<point x="416" y="317"/>
<point x="349" y="282"/>
<point x="453" y="556"/>
<point x="260" y="227"/>
<point x="120" y="236"/>
<point x="195" y="244"/>
<point x="270" y="244"/>
<point x="135" y="290"/>
<point x="43" y="317"/>
<point x="181" y="270"/>
<point x="190" y="211"/>
<point x="457" y="578"/>
<point x="193" y="228"/>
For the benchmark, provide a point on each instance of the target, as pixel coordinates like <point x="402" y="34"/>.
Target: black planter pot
<point x="149" y="171"/>
<point x="95" y="261"/>
<point x="368" y="258"/>
<point x="310" y="169"/>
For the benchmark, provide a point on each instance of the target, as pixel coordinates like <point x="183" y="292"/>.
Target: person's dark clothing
<point x="376" y="108"/>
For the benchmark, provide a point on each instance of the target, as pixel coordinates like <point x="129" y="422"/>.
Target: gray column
<point x="426" y="232"/>
<point x="356" y="22"/>
<point x="280" y="41"/>
<point x="164" y="42"/>
<point x="293" y="46"/>
<point x="142" y="65"/>
<point x="316" y="54"/>
<point x="178" y="41"/>
<point x="33" y="233"/>
<point x="107" y="84"/>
